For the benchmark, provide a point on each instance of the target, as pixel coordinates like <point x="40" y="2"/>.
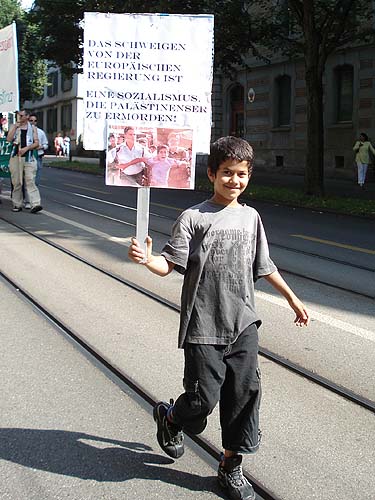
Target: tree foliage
<point x="313" y="29"/>
<point x="32" y="69"/>
<point x="308" y="29"/>
<point x="62" y="30"/>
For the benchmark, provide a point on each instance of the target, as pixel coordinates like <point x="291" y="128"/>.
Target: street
<point x="95" y="222"/>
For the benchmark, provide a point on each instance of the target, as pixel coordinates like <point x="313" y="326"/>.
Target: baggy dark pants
<point x="229" y="375"/>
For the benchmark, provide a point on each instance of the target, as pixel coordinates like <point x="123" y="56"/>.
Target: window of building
<point x="344" y="93"/>
<point x="66" y="82"/>
<point x="66" y="117"/>
<point x="339" y="161"/>
<point x="237" y="113"/>
<point x="279" y="161"/>
<point x="52" y="86"/>
<point x="52" y="120"/>
<point x="283" y="86"/>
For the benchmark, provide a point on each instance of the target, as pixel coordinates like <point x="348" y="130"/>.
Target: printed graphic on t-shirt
<point x="230" y="257"/>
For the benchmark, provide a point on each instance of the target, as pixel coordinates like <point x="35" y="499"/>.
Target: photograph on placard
<point x="150" y="156"/>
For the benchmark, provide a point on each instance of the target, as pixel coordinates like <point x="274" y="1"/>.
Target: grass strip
<point x="292" y="197"/>
<point x="282" y="195"/>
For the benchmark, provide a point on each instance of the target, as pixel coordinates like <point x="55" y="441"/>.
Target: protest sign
<point x="147" y="70"/>
<point x="9" y="98"/>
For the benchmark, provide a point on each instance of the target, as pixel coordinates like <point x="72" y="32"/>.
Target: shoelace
<point x="175" y="435"/>
<point x="236" y="477"/>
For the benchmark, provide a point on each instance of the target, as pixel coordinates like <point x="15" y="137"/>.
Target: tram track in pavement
<point x="272" y="356"/>
<point x="348" y="265"/>
<point x="171" y="219"/>
<point x="119" y="377"/>
<point x="296" y="251"/>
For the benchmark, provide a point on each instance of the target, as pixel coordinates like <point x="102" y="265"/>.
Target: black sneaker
<point x="170" y="437"/>
<point x="232" y="480"/>
<point x="16" y="209"/>
<point x="36" y="209"/>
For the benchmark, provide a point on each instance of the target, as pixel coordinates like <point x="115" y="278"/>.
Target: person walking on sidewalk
<point x="362" y="149"/>
<point x="22" y="163"/>
<point x="43" y="146"/>
<point x="221" y="248"/>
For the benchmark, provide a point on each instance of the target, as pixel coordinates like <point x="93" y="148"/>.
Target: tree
<point x="313" y="29"/>
<point x="63" y="39"/>
<point x="31" y="68"/>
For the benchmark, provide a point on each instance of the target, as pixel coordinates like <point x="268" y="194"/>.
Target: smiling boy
<point x="221" y="248"/>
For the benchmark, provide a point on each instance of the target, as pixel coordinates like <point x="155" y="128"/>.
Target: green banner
<point x="5" y="150"/>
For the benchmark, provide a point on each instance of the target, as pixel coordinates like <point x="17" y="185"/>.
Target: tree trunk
<point x="314" y="169"/>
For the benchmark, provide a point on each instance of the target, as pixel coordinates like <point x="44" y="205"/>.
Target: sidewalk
<point x="333" y="187"/>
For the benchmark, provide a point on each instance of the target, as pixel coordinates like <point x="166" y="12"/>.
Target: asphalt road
<point x="307" y="430"/>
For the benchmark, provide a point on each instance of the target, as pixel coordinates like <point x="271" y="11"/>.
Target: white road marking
<point x="96" y="213"/>
<point x="121" y="241"/>
<point x="323" y="318"/>
<point x="108" y="202"/>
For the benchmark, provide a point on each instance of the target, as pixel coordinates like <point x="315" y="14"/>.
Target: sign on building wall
<point x="152" y="73"/>
<point x="9" y="95"/>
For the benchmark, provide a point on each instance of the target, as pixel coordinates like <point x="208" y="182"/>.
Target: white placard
<point x="9" y="94"/>
<point x="152" y="70"/>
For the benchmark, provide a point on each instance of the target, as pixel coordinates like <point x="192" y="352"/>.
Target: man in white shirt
<point x="128" y="159"/>
<point x="43" y="146"/>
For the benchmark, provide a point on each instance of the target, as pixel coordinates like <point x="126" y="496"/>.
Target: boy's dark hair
<point x="364" y="135"/>
<point x="230" y="148"/>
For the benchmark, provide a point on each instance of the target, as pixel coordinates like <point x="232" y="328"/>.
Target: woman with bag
<point x="362" y="149"/>
<point x="22" y="163"/>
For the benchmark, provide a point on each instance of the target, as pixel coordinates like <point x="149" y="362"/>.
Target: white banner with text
<point x="9" y="98"/>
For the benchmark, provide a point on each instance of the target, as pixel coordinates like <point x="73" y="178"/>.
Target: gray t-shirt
<point x="221" y="251"/>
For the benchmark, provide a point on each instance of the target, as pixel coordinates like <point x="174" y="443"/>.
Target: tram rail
<point x="303" y="372"/>
<point x="119" y="377"/>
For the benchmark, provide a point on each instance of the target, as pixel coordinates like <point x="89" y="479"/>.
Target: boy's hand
<point x="137" y="254"/>
<point x="302" y="316"/>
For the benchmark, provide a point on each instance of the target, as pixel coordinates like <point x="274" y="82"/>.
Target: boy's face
<point x="163" y="153"/>
<point x="229" y="182"/>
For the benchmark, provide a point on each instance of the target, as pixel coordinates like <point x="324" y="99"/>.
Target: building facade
<point x="60" y="108"/>
<point x="275" y="123"/>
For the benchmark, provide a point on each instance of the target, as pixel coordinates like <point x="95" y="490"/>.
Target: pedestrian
<point x="66" y="146"/>
<point x="129" y="158"/>
<point x="58" y="144"/>
<point x="43" y="146"/>
<point x="221" y="248"/>
<point x="22" y="164"/>
<point x="362" y="149"/>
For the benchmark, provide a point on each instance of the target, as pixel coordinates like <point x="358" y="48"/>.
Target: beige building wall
<point x="284" y="148"/>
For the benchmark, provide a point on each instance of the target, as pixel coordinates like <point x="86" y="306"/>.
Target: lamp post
<point x="251" y="99"/>
<point x="251" y="95"/>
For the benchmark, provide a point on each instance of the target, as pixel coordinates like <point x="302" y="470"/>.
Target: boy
<point x="221" y="248"/>
<point x="160" y="166"/>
